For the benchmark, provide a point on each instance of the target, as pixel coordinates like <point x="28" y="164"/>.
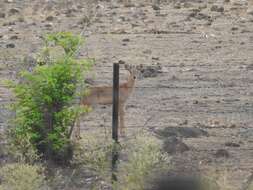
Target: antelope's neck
<point x="130" y="81"/>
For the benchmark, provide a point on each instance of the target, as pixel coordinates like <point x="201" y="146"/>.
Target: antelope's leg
<point x="122" y="119"/>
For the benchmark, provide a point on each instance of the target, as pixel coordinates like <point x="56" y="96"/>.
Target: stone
<point x="21" y="19"/>
<point x="150" y="71"/>
<point x="15" y="37"/>
<point x="177" y="6"/>
<point x="232" y="144"/>
<point x="155" y="58"/>
<point x="221" y="153"/>
<point x="201" y="16"/>
<point x="234" y="28"/>
<point x="50" y="18"/>
<point x="9" y="23"/>
<point x="173" y="145"/>
<point x="13" y="11"/>
<point x="216" y="8"/>
<point x="126" y="40"/>
<point x="250" y="11"/>
<point x="49" y="25"/>
<point x="156" y="7"/>
<point x="195" y="102"/>
<point x="10" y="45"/>
<point x="2" y="15"/>
<point x="148" y="51"/>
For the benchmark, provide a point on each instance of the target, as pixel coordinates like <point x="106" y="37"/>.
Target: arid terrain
<point x="198" y="60"/>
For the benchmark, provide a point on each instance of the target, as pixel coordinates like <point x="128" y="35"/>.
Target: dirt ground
<point x="204" y="51"/>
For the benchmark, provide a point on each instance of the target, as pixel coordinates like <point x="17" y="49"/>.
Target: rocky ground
<point x="198" y="56"/>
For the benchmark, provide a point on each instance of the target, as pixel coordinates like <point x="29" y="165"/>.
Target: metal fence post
<point x="115" y="107"/>
<point x="115" y="120"/>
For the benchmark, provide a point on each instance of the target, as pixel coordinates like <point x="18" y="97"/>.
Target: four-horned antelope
<point x="103" y="95"/>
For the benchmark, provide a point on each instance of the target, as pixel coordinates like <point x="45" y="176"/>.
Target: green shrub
<point x="46" y="100"/>
<point x="21" y="177"/>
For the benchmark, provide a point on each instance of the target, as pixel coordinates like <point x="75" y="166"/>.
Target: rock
<point x="187" y="5"/>
<point x="216" y="8"/>
<point x="119" y="31"/>
<point x="9" y="23"/>
<point x="89" y="81"/>
<point x="201" y="16"/>
<point x="126" y="40"/>
<point x="49" y="25"/>
<point x="183" y="132"/>
<point x="50" y="18"/>
<point x="10" y="45"/>
<point x="155" y="58"/>
<point x="204" y="6"/>
<point x="246" y="133"/>
<point x="15" y="37"/>
<point x="221" y="153"/>
<point x="232" y="144"/>
<point x="156" y="7"/>
<point x="150" y="71"/>
<point x="5" y="37"/>
<point x="249" y="67"/>
<point x="250" y="11"/>
<point x="173" y="145"/>
<point x="13" y="11"/>
<point x="2" y="15"/>
<point x="128" y="5"/>
<point x="177" y="6"/>
<point x="148" y="51"/>
<point x="195" y="102"/>
<point x="234" y="28"/>
<point x="21" y="19"/>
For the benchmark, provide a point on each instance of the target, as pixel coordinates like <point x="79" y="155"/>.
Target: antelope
<point x="102" y="95"/>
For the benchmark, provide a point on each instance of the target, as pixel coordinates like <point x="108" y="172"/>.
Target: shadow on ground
<point x="179" y="182"/>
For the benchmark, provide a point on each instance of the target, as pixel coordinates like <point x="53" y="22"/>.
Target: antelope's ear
<point x="121" y="62"/>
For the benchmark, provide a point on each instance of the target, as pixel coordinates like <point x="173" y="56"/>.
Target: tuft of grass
<point x="145" y="159"/>
<point x="140" y="158"/>
<point x="21" y="177"/>
<point x="93" y="151"/>
<point x="251" y="186"/>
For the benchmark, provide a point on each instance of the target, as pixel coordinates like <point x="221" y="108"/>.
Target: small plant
<point x="140" y="159"/>
<point x="250" y="186"/>
<point x="93" y="151"/>
<point x="46" y="100"/>
<point x="21" y="177"/>
<point x="144" y="160"/>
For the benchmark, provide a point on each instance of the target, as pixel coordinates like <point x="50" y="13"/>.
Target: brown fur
<point x="103" y="95"/>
